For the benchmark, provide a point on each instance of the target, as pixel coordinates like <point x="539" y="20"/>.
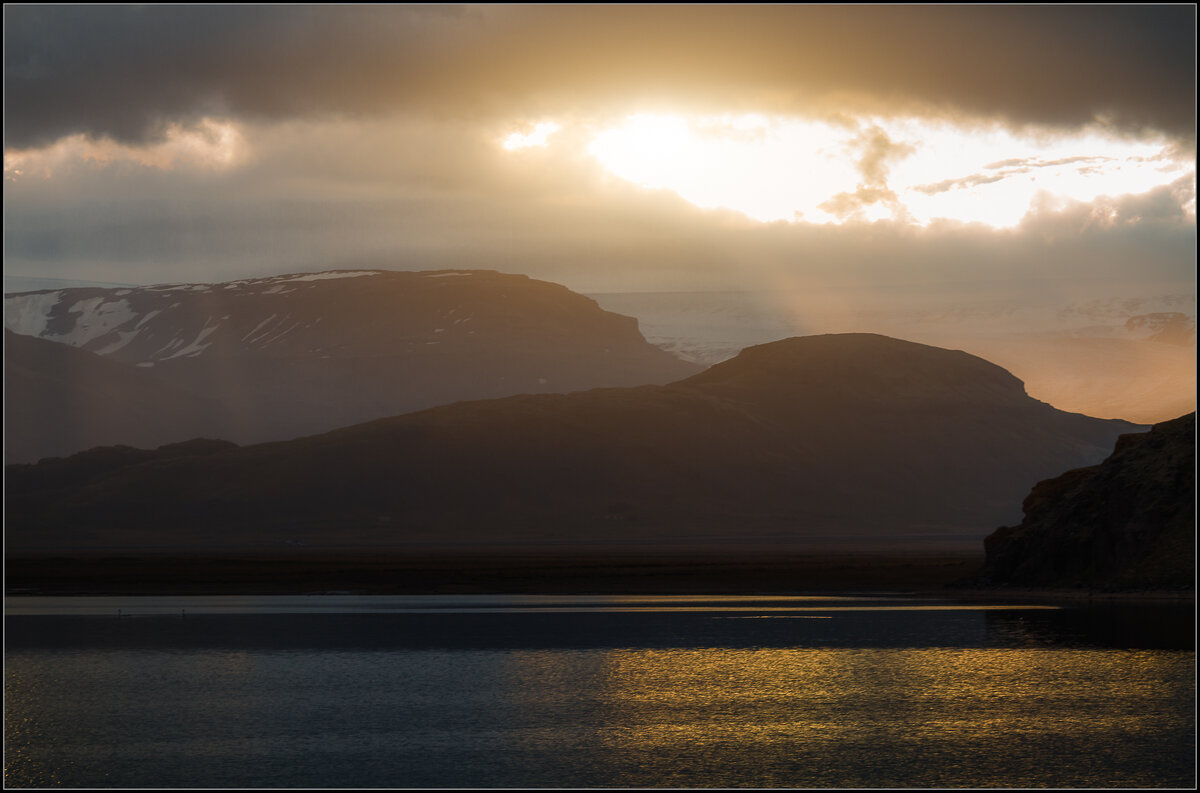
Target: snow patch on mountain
<point x="124" y="337"/>
<point x="330" y="274"/>
<point x="97" y="317"/>
<point x="27" y="314"/>
<point x="247" y="337"/>
<point x="179" y="288"/>
<point x="171" y="345"/>
<point x="149" y="315"/>
<point x="198" y="346"/>
<point x="280" y="335"/>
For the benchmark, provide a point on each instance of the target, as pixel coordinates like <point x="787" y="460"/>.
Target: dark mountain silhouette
<point x="294" y="355"/>
<point x="845" y="435"/>
<point x="1127" y="523"/>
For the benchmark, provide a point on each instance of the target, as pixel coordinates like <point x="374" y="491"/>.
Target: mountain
<point x="59" y="400"/>
<point x="1127" y="523"/>
<point x="850" y="436"/>
<point x="299" y="354"/>
<point x="1131" y="357"/>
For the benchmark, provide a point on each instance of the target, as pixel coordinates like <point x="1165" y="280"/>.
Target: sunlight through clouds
<point x="996" y="177"/>
<point x="767" y="169"/>
<point x="909" y="170"/>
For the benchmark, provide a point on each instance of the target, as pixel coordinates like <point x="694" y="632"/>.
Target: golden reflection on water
<point x="829" y="710"/>
<point x="646" y="717"/>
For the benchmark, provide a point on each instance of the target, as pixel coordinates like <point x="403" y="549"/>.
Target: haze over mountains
<point x="1106" y="351"/>
<point x="853" y="435"/>
<point x="60" y="400"/>
<point x="275" y="358"/>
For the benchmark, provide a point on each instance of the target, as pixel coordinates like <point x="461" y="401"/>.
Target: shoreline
<point x="1165" y="596"/>
<point x="935" y="573"/>
<point x="462" y="573"/>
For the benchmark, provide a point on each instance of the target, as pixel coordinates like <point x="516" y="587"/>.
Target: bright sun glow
<point x="906" y="170"/>
<point x="769" y="171"/>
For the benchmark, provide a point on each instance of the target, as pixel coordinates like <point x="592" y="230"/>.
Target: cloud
<point x="878" y="153"/>
<point x="128" y="72"/>
<point x="974" y="180"/>
<point x="1024" y="164"/>
<point x="1142" y="216"/>
<point x="406" y="193"/>
<point x="845" y="206"/>
<point x="1014" y="166"/>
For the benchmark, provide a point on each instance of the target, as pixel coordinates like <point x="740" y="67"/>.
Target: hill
<point x="1086" y="350"/>
<point x="850" y="435"/>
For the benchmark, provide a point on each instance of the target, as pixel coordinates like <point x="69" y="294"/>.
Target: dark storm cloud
<point x="125" y="71"/>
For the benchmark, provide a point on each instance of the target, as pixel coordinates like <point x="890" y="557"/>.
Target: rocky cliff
<point x="1127" y="523"/>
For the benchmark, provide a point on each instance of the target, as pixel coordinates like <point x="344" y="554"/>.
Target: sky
<point x="607" y="148"/>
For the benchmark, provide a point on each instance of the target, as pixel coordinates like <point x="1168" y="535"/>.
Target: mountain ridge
<point x="294" y="355"/>
<point x="688" y="459"/>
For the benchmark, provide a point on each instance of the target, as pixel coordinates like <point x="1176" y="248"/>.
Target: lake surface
<point x="595" y="691"/>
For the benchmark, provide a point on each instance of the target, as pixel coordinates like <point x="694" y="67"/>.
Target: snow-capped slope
<point x="193" y="316"/>
<point x="303" y="353"/>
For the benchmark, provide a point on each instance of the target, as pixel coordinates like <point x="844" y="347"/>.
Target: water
<point x="595" y="692"/>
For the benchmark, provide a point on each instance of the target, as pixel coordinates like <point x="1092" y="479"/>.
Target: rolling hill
<point x="852" y="435"/>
